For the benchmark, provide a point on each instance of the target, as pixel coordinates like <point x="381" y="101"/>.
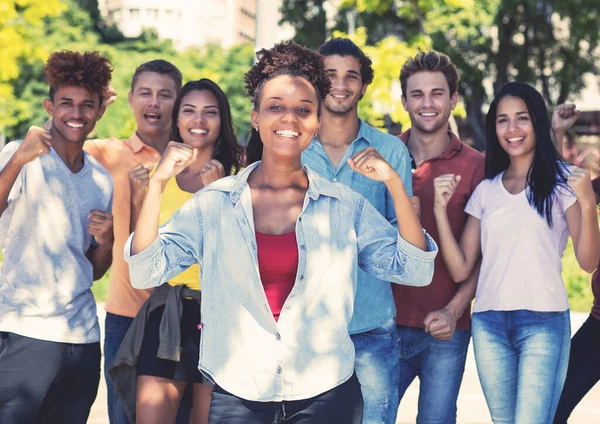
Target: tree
<point x="309" y="19"/>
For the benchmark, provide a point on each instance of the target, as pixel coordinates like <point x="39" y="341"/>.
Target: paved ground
<point x="471" y="403"/>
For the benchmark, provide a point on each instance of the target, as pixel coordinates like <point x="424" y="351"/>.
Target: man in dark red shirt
<point x="433" y="322"/>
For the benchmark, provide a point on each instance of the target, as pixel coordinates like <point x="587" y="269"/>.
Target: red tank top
<point x="278" y="265"/>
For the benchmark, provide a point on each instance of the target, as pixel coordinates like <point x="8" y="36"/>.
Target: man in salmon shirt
<point x="154" y="87"/>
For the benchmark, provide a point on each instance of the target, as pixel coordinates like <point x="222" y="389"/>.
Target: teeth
<point x="339" y="96"/>
<point x="429" y="114"/>
<point x="198" y="131"/>
<point x="74" y="125"/>
<point x="152" y="115"/>
<point x="514" y="139"/>
<point x="287" y="133"/>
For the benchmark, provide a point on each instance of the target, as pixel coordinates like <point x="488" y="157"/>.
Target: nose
<point x="427" y="100"/>
<point x="290" y="116"/>
<point x="513" y="124"/>
<point x="337" y="82"/>
<point x="154" y="100"/>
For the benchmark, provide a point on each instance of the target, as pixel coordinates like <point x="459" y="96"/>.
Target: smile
<point x="428" y="114"/>
<point x="287" y="133"/>
<point x="151" y="116"/>
<point x="72" y="124"/>
<point x="198" y="131"/>
<point x="515" y="140"/>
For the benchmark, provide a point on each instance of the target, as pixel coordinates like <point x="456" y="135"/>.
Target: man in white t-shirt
<point x="57" y="238"/>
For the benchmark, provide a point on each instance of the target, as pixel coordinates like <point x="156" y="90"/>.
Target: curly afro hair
<point x="287" y="58"/>
<point x="88" y="70"/>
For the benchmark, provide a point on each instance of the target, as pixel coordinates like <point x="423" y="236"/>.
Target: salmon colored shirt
<point x="414" y="303"/>
<point x="596" y="276"/>
<point x="118" y="157"/>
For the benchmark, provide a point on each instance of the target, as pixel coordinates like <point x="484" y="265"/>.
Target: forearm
<point x="453" y="255"/>
<point x="558" y="140"/>
<point x="136" y="208"/>
<point x="587" y="249"/>
<point x="465" y="294"/>
<point x="409" y="226"/>
<point x="146" y="228"/>
<point x="101" y="259"/>
<point x="8" y="176"/>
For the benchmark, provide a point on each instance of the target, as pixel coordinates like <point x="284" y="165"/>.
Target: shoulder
<point x="224" y="184"/>
<point x="104" y="148"/>
<point x="97" y="169"/>
<point x="10" y="148"/>
<point x="472" y="154"/>
<point x="392" y="148"/>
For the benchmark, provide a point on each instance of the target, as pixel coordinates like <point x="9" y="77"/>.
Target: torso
<point x="276" y="210"/>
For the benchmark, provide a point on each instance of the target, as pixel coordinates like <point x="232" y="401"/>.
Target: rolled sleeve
<point x="177" y="247"/>
<point x="383" y="253"/>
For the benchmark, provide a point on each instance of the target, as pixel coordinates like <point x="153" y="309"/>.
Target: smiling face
<point x="428" y="101"/>
<point x="152" y="101"/>
<point x="199" y="120"/>
<point x="287" y="116"/>
<point x="74" y="111"/>
<point x="346" y="84"/>
<point x="514" y="127"/>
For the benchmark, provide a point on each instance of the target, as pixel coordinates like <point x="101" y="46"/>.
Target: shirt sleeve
<point x="177" y="247"/>
<point x="383" y="253"/>
<point x="474" y="205"/>
<point x="402" y="165"/>
<point x="596" y="186"/>
<point x="5" y="155"/>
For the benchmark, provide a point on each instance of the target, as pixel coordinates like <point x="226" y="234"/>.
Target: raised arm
<point x="37" y="142"/>
<point x="139" y="177"/>
<point x="582" y="220"/>
<point x="371" y="164"/>
<point x="563" y="117"/>
<point x="460" y="258"/>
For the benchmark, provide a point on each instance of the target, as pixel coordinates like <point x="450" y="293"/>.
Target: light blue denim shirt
<point x="374" y="303"/>
<point x="308" y="351"/>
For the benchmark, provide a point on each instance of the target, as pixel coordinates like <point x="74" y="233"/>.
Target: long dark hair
<point x="227" y="151"/>
<point x="548" y="170"/>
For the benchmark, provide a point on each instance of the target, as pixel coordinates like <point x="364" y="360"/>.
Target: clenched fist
<point x="37" y="141"/>
<point x="371" y="164"/>
<point x="139" y="176"/>
<point x="176" y="158"/>
<point x="101" y="227"/>
<point x="211" y="172"/>
<point x="444" y="187"/>
<point x="581" y="184"/>
<point x="564" y="116"/>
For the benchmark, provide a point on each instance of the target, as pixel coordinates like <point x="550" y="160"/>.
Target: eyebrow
<point x="84" y="101"/>
<point x="279" y="98"/>
<point x="350" y="71"/>
<point x="418" y="90"/>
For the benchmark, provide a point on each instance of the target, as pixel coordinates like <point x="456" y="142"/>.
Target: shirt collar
<point x="137" y="145"/>
<point x="365" y="131"/>
<point x="317" y="186"/>
<point x="452" y="149"/>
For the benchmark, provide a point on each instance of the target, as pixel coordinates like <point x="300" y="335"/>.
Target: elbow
<point x="458" y="276"/>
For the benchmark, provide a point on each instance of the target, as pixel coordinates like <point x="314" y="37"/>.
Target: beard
<point x="442" y="122"/>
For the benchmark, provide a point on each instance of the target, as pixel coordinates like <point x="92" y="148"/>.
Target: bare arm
<point x="460" y="258"/>
<point x="101" y="228"/>
<point x="582" y="220"/>
<point x="441" y="324"/>
<point x="371" y="164"/>
<point x="139" y="176"/>
<point x="563" y="117"/>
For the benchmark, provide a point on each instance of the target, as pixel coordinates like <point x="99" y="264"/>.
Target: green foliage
<point x="74" y="29"/>
<point x="308" y="19"/>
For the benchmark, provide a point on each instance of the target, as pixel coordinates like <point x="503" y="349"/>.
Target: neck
<point x="519" y="166"/>
<point x="205" y="155"/>
<point x="338" y="130"/>
<point x="157" y="141"/>
<point x="424" y="146"/>
<point x="276" y="173"/>
<point x="70" y="153"/>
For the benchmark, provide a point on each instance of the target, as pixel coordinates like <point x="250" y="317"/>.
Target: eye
<point x="212" y="112"/>
<point x="417" y="95"/>
<point x="523" y="118"/>
<point x="352" y="77"/>
<point x="187" y="110"/>
<point x="275" y="107"/>
<point x="501" y="120"/>
<point x="166" y="96"/>
<point x="304" y="110"/>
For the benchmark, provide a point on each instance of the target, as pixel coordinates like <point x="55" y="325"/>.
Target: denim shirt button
<point x="279" y="369"/>
<point x="302" y="246"/>
<point x="302" y="277"/>
<point x="277" y="336"/>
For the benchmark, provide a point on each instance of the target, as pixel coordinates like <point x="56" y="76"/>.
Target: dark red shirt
<point x="596" y="276"/>
<point x="278" y="265"/>
<point x="414" y="303"/>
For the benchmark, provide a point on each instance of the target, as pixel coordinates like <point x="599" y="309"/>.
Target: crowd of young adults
<point x="306" y="287"/>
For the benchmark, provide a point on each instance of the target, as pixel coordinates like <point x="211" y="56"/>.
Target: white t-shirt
<point x="521" y="265"/>
<point x="45" y="279"/>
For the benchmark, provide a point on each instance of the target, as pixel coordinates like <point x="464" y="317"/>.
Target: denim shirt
<point x="308" y="351"/>
<point x="374" y="303"/>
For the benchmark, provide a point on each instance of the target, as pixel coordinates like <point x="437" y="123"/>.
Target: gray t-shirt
<point x="45" y="279"/>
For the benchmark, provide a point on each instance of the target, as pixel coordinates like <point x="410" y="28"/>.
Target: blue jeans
<point x="377" y="368"/>
<point x="522" y="359"/>
<point x="115" y="328"/>
<point x="439" y="365"/>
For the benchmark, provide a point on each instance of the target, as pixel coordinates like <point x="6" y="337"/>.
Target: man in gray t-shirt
<point x="57" y="238"/>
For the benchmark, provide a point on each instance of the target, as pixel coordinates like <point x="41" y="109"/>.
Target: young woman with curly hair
<point x="278" y="249"/>
<point x="56" y="234"/>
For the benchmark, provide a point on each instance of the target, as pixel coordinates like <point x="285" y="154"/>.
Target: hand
<point x="139" y="176"/>
<point x="371" y="164"/>
<point x="110" y="95"/>
<point x="440" y="324"/>
<point x="176" y="158"/>
<point x="211" y="172"/>
<point x="564" y="116"/>
<point x="101" y="227"/>
<point x="444" y="187"/>
<point x="37" y="142"/>
<point x="415" y="202"/>
<point x="581" y="184"/>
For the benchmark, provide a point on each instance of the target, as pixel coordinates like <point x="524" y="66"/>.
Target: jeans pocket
<point x="385" y="329"/>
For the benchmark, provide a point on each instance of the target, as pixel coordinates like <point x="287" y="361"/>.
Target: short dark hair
<point x="430" y="61"/>
<point x="345" y="47"/>
<point x="227" y="151"/>
<point x="159" y="66"/>
<point x="88" y="70"/>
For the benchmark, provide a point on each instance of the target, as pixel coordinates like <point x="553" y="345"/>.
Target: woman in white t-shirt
<point x="520" y="219"/>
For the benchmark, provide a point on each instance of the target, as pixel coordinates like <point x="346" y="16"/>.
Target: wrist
<point x="393" y="181"/>
<point x="155" y="184"/>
